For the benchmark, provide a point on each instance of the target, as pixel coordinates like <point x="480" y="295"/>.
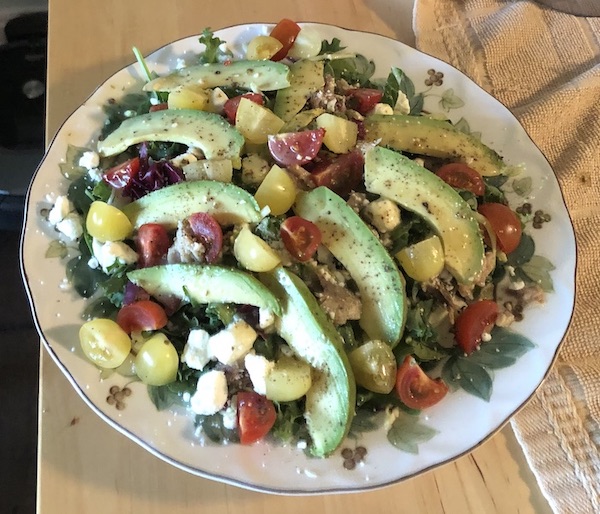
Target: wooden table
<point x="87" y="467"/>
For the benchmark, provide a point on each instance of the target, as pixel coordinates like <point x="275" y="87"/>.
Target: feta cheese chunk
<point x="71" y="226"/>
<point x="62" y="206"/>
<point x="113" y="251"/>
<point x="196" y="352"/>
<point x="382" y="109"/>
<point x="233" y="342"/>
<point x="211" y="393"/>
<point x="258" y="367"/>
<point x="217" y="100"/>
<point x="384" y="214"/>
<point x="230" y="417"/>
<point x="266" y="318"/>
<point x="402" y="104"/>
<point x="89" y="160"/>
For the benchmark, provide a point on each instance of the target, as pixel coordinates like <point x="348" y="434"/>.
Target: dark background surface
<point x="22" y="98"/>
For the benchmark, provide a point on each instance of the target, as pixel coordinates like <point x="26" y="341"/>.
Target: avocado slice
<point x="254" y="75"/>
<point x="306" y="77"/>
<point x="413" y="187"/>
<point x="228" y="203"/>
<point x="330" y="401"/>
<point x="349" y="239"/>
<point x="435" y="138"/>
<point x="205" y="130"/>
<point x="205" y="284"/>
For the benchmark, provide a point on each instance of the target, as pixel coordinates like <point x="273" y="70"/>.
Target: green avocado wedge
<point x="203" y="283"/>
<point x="253" y="75"/>
<point x="350" y="240"/>
<point x="415" y="188"/>
<point x="228" y="203"/>
<point x="306" y="77"/>
<point x="330" y="401"/>
<point x="205" y="130"/>
<point x="435" y="138"/>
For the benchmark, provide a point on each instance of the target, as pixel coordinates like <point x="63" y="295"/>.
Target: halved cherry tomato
<point x="300" y="237"/>
<point x="472" y="322"/>
<point x="461" y="176"/>
<point x="341" y="174"/>
<point x="231" y="106"/>
<point x="296" y="147"/>
<point x="415" y="388"/>
<point x="208" y="230"/>
<point x="159" y="107"/>
<point x="505" y="223"/>
<point x="140" y="316"/>
<point x="286" y="32"/>
<point x="119" y="176"/>
<point x="363" y="99"/>
<point x="152" y="243"/>
<point x="256" y="416"/>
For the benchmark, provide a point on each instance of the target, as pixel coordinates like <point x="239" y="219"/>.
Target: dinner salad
<point x="290" y="246"/>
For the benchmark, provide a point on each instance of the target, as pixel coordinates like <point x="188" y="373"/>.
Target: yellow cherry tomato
<point x="105" y="222"/>
<point x="104" y="342"/>
<point x="253" y="253"/>
<point x="423" y="260"/>
<point x="277" y="191"/>
<point x="157" y="361"/>
<point x="262" y="48"/>
<point x="289" y="380"/>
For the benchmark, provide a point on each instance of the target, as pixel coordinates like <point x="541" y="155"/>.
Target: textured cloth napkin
<point x="545" y="67"/>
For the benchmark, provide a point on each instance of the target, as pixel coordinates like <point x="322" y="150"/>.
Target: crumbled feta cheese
<point x="517" y="285"/>
<point x="258" y="367"/>
<point x="384" y="214"/>
<point x="402" y="104"/>
<point x="217" y="100"/>
<point x="486" y="337"/>
<point x="382" y="109"/>
<point x="266" y="318"/>
<point x="95" y="174"/>
<point x="112" y="251"/>
<point x="62" y="207"/>
<point x="196" y="353"/>
<point x="233" y="342"/>
<point x="70" y="226"/>
<point x="230" y="417"/>
<point x="254" y="169"/>
<point x="211" y="393"/>
<point x="154" y="100"/>
<point x="89" y="160"/>
<point x="180" y="63"/>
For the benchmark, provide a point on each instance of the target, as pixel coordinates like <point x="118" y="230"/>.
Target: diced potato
<point x="256" y="122"/>
<point x="211" y="169"/>
<point x="340" y="134"/>
<point x="188" y="98"/>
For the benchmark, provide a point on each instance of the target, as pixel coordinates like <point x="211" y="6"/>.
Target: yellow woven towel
<point x="545" y="67"/>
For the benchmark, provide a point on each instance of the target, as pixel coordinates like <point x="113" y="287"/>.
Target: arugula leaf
<point x="212" y="52"/>
<point x="365" y="421"/>
<point x="331" y="47"/>
<point x="289" y="425"/>
<point x="397" y="81"/>
<point x="354" y="70"/>
<point x="523" y="253"/>
<point x="84" y="279"/>
<point x="214" y="428"/>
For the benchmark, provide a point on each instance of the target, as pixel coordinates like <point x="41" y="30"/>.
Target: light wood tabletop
<point x="85" y="466"/>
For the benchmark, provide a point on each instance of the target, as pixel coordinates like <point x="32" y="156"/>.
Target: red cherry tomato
<point x="415" y="388"/>
<point x="208" y="230"/>
<point x="472" y="322"/>
<point x="286" y="32"/>
<point x="363" y="99"/>
<point x="152" y="243"/>
<point x="300" y="237"/>
<point x="159" y="107"/>
<point x="141" y="315"/>
<point x="461" y="176"/>
<point x="119" y="176"/>
<point x="342" y="175"/>
<point x="256" y="416"/>
<point x="505" y="223"/>
<point x="296" y="147"/>
<point x="231" y="106"/>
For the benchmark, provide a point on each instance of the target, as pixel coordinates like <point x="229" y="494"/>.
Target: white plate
<point x="462" y="421"/>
